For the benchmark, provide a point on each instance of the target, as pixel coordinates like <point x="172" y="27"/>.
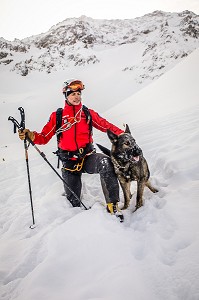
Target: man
<point x="75" y="146"/>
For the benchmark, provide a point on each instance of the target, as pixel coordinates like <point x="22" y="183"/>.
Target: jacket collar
<point x="72" y="108"/>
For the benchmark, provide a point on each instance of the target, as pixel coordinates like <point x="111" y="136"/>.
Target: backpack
<point x="59" y="120"/>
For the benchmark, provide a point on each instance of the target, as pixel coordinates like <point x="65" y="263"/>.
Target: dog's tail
<point x="104" y="149"/>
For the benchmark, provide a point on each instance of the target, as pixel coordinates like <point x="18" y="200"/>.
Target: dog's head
<point x="124" y="146"/>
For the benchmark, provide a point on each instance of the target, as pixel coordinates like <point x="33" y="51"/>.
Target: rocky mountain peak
<point x="163" y="40"/>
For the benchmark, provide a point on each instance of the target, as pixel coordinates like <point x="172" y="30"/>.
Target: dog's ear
<point x="112" y="136"/>
<point x="127" y="130"/>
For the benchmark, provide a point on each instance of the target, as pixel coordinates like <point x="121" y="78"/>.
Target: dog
<point x="129" y="165"/>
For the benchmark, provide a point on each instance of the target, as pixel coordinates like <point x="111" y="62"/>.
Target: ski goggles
<point x="73" y="86"/>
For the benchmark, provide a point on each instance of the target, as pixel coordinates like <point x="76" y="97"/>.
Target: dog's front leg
<point x="125" y="185"/>
<point x="140" y="190"/>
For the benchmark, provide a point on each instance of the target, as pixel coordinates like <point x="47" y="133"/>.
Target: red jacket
<point x="78" y="135"/>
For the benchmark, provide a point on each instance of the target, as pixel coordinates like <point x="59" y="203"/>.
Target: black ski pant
<point x="93" y="164"/>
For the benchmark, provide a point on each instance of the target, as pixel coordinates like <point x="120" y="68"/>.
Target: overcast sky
<point x="23" y="18"/>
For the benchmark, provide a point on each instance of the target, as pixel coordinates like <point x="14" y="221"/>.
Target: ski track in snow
<point x="144" y="256"/>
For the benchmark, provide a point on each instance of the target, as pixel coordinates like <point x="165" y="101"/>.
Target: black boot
<point x="75" y="203"/>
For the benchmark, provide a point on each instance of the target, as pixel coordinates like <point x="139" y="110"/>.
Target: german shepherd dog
<point x="129" y="164"/>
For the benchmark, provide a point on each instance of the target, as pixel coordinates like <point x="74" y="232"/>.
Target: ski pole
<point x="21" y="126"/>
<point x="29" y="182"/>
<point x="17" y="125"/>
<point x="46" y="160"/>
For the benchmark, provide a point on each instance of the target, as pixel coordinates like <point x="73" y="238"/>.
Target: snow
<point x="80" y="254"/>
<point x="162" y="94"/>
<point x="114" y="58"/>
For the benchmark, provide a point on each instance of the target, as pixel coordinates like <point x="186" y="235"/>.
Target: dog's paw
<point x="124" y="207"/>
<point x="138" y="205"/>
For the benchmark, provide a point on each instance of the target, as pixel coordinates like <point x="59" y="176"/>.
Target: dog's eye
<point x="127" y="143"/>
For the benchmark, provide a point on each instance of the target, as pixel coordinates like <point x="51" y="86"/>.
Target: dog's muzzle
<point x="135" y="153"/>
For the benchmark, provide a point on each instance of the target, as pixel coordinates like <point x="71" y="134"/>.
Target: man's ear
<point x="112" y="136"/>
<point x="127" y="130"/>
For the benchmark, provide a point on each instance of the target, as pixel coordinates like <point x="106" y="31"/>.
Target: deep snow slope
<point x="152" y="255"/>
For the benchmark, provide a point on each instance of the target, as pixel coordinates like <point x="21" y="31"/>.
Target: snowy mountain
<point x="88" y="255"/>
<point x="114" y="58"/>
<point x="156" y="42"/>
<point x="159" y="95"/>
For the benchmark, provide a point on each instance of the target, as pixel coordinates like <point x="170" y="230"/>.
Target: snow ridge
<point x="163" y="40"/>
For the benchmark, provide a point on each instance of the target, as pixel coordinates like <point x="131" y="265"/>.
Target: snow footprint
<point x="170" y="251"/>
<point x="32" y="257"/>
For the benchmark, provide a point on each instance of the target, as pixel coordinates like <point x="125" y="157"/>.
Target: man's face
<point x="74" y="98"/>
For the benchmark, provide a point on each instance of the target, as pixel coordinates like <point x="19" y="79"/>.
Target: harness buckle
<point x="81" y="150"/>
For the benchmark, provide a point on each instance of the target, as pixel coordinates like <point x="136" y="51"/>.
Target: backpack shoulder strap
<point x="58" y="122"/>
<point x="88" y="117"/>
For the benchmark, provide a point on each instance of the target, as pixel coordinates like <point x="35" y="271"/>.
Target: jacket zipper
<point x="75" y="131"/>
